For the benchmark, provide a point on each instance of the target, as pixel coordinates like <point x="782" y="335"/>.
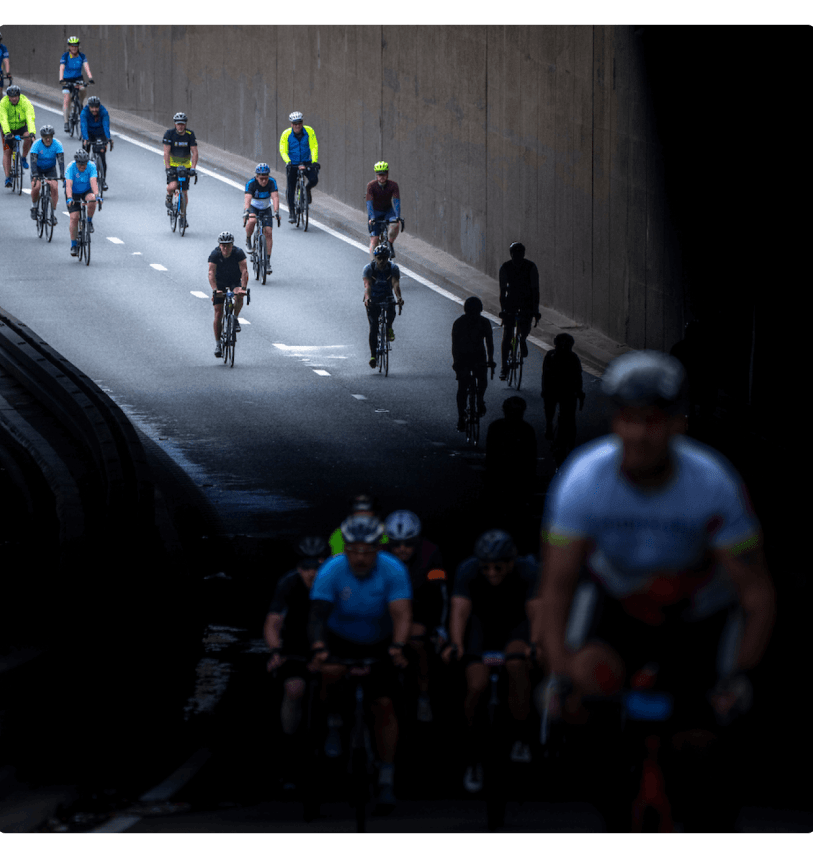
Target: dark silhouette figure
<point x="696" y="354"/>
<point x="511" y="461"/>
<point x="562" y="386"/>
<point x="519" y="294"/>
<point x="472" y="352"/>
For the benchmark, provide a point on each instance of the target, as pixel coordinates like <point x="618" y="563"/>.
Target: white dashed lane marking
<point x="157" y="266"/>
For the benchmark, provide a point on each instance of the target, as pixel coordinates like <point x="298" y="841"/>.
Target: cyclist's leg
<point x="6" y="159"/>
<point x="35" y="191"/>
<point x="524" y="326"/>
<point x="66" y="105"/>
<point x="393" y="229"/>
<point x="482" y="384"/>
<point x="372" y="320"/>
<point x="250" y="222"/>
<point x="217" y="301"/>
<point x="505" y="347"/>
<point x="291" y="176"/>
<point x="462" y="393"/>
<point x="28" y="142"/>
<point x="390" y="319"/>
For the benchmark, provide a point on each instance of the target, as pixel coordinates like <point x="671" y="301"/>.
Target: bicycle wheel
<point x="181" y="213"/>
<point x="306" y="207"/>
<point x="229" y="340"/>
<point x="520" y="362"/>
<point x="47" y="213"/>
<point x="512" y="359"/>
<point x="16" y="174"/>
<point x="87" y="245"/>
<point x="298" y="203"/>
<point x="472" y="417"/>
<point x="383" y="344"/>
<point x="80" y="240"/>
<point x="40" y="213"/>
<point x="262" y="256"/>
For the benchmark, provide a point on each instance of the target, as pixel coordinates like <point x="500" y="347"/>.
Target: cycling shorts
<point x="381" y="221"/>
<point x="383" y="679"/>
<point x="685" y="652"/>
<point x="495" y="638"/>
<point x="219" y="297"/>
<point x="265" y="216"/>
<point x="18" y="132"/>
<point x="50" y="173"/>
<point x="76" y="199"/>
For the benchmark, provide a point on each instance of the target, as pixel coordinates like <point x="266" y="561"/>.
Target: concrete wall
<point x="543" y="134"/>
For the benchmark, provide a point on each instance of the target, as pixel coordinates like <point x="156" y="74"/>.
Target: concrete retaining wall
<point x="543" y="134"/>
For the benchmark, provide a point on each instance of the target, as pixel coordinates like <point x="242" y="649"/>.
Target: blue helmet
<point x="262" y="170"/>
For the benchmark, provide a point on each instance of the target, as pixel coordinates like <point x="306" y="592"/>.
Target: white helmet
<point x="402" y="525"/>
<point x="296" y="116"/>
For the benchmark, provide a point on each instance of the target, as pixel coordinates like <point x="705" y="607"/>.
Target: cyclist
<point x="360" y="504"/>
<point x="45" y="154"/>
<point x="81" y="183"/>
<point x="286" y="633"/>
<point x="261" y="201"/>
<point x="228" y="269"/>
<point x="95" y="124"/>
<point x="4" y="64"/>
<point x="665" y="528"/>
<point x="494" y="606"/>
<point x="299" y="149"/>
<point x="180" y="150"/>
<point x="562" y="386"/>
<point x="381" y="279"/>
<point x="430" y="599"/>
<point x="519" y="293"/>
<point x="383" y="201"/>
<point x="511" y="459"/>
<point x="472" y="349"/>
<point x="71" y="66"/>
<point x="16" y="118"/>
<point x="361" y="608"/>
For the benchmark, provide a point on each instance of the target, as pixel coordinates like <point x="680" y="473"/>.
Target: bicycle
<point x="83" y="234"/>
<point x="516" y="356"/>
<point x="495" y="758"/>
<point x="260" y="258"/>
<point x="74" y="123"/>
<point x="301" y="205"/>
<point x="472" y="413"/>
<point x="383" y="235"/>
<point x="383" y="344"/>
<point x="99" y="160"/>
<point x="45" y="211"/>
<point x="17" y="169"/>
<point x="177" y="214"/>
<point x="228" y="332"/>
<point x="361" y="759"/>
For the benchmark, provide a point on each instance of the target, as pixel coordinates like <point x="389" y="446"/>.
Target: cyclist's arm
<point x="243" y="273"/>
<point x="534" y="289"/>
<point x="68" y="189"/>
<point x="533" y="608"/>
<point x="86" y="67"/>
<point x="489" y="340"/>
<point x="193" y="153"/>
<point x="212" y="273"/>
<point x="105" y="122"/>
<point x="60" y="159"/>
<point x="62" y="71"/>
<point x="283" y="146"/>
<point x="368" y="285"/>
<point x="247" y="198"/>
<point x="313" y="143"/>
<point x="458" y="619"/>
<point x="370" y="212"/>
<point x="167" y="150"/>
<point x="275" y="201"/>
<point x="317" y="621"/>
<point x="272" y="630"/>
<point x="94" y="186"/>
<point x="561" y="560"/>
<point x="83" y="122"/>
<point x="749" y="573"/>
<point x="401" y="614"/>
<point x="396" y="288"/>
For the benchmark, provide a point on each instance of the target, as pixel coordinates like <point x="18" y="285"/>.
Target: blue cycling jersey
<point x="80" y="179"/>
<point x="261" y="196"/>
<point x="361" y="605"/>
<point x="94" y="126"/>
<point x="381" y="278"/>
<point x="73" y="65"/>
<point x="46" y="155"/>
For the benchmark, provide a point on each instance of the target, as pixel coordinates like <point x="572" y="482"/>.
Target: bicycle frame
<point x="76" y="106"/>
<point x="301" y="205"/>
<point x="83" y="234"/>
<point x="177" y="214"/>
<point x="17" y="169"/>
<point x="383" y="344"/>
<point x="45" y="209"/>
<point x="228" y="334"/>
<point x="516" y="359"/>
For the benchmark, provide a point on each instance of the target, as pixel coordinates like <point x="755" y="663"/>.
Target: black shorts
<point x="50" y="173"/>
<point x="491" y="638"/>
<point x="383" y="679"/>
<point x="75" y="200"/>
<point x="264" y="216"/>
<point x="685" y="651"/>
<point x="220" y="296"/>
<point x="293" y="669"/>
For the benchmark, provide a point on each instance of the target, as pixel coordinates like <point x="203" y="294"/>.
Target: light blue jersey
<point x="665" y="534"/>
<point x="46" y="155"/>
<point x="361" y="605"/>
<point x="81" y="180"/>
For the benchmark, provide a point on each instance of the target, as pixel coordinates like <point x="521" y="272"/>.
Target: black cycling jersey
<point x="503" y="604"/>
<point x="471" y="337"/>
<point x="227" y="273"/>
<point x="292" y="600"/>
<point x="180" y="144"/>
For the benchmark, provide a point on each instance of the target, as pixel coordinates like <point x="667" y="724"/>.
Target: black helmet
<point x="646" y="378"/>
<point x="382" y="250"/>
<point x="312" y="547"/>
<point x="94" y="101"/>
<point x="495" y="545"/>
<point x="362" y="528"/>
<point x="12" y="90"/>
<point x="472" y="306"/>
<point x="81" y="156"/>
<point x="514" y="405"/>
<point x="517" y="250"/>
<point x="564" y="341"/>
